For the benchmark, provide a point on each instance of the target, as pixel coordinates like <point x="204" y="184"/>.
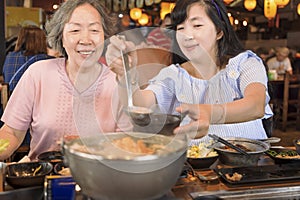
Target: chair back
<point x="291" y="99"/>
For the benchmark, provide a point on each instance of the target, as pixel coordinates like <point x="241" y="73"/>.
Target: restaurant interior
<point x="267" y="24"/>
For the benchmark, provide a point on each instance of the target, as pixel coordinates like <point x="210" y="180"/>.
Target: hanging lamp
<point x="281" y="3"/>
<point x="298" y="9"/>
<point x="144" y="19"/>
<point x="270" y="9"/>
<point x="228" y="1"/>
<point x="250" y="4"/>
<point x="135" y="13"/>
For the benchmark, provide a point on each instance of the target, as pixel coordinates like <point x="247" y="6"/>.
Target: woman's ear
<point x="220" y="35"/>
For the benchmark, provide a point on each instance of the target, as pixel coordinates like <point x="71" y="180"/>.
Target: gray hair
<point x="55" y="26"/>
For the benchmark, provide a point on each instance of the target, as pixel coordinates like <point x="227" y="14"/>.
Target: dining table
<point x="190" y="187"/>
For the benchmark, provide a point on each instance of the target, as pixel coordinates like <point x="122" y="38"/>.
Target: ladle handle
<point x="127" y="78"/>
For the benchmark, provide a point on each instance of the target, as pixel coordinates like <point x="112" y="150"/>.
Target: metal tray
<point x="266" y="173"/>
<point x="276" y="193"/>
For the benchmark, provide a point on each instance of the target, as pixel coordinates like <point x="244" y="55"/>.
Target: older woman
<point x="73" y="95"/>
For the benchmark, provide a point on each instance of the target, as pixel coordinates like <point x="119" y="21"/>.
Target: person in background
<point x="220" y="86"/>
<point x="281" y="62"/>
<point x="71" y="95"/>
<point x="31" y="46"/>
<point x="158" y="36"/>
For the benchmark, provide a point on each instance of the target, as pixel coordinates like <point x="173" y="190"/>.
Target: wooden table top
<point x="192" y="184"/>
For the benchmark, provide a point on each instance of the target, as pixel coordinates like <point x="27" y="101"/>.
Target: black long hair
<point x="228" y="46"/>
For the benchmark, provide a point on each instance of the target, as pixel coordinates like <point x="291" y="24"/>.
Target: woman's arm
<point x="251" y="107"/>
<point x="15" y="138"/>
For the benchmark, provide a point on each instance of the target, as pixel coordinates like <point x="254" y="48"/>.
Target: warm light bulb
<point x="250" y="4"/>
<point x="281" y="3"/>
<point x="135" y="13"/>
<point x="144" y="19"/>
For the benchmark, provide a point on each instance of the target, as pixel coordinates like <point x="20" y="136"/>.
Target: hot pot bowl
<point x="104" y="171"/>
<point x="255" y="149"/>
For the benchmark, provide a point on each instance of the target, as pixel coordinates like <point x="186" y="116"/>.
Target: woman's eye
<point x="179" y="28"/>
<point x="197" y="25"/>
<point x="74" y="30"/>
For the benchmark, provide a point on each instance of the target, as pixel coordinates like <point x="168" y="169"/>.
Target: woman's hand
<point x="199" y="125"/>
<point x="113" y="54"/>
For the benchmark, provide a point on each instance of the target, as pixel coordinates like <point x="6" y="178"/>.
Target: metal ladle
<point x="140" y="115"/>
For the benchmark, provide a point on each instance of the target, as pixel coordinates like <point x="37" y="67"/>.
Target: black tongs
<point x="219" y="139"/>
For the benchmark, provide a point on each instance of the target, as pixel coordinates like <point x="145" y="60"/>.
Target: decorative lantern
<point x="250" y="4"/>
<point x="135" y="13"/>
<point x="281" y="3"/>
<point x="144" y="19"/>
<point x="298" y="9"/>
<point x="228" y="1"/>
<point x="270" y="9"/>
<point x="165" y="8"/>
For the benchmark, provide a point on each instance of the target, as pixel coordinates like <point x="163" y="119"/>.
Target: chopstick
<point x="219" y="139"/>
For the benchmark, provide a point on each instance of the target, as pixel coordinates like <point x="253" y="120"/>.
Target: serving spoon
<point x="140" y="115"/>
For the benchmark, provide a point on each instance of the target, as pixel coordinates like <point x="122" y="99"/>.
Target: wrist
<point x="218" y="114"/>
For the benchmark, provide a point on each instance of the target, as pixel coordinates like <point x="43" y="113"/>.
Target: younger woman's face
<point x="197" y="36"/>
<point x="83" y="36"/>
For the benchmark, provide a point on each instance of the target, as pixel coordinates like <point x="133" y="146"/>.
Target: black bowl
<point x="202" y="163"/>
<point x="282" y="160"/>
<point x="58" y="167"/>
<point x="51" y="156"/>
<point x="159" y="123"/>
<point x="297" y="145"/>
<point x="27" y="174"/>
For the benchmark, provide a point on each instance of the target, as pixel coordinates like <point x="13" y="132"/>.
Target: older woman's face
<point x="197" y="36"/>
<point x="83" y="36"/>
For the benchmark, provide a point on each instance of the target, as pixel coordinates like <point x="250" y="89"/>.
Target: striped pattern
<point x="226" y="86"/>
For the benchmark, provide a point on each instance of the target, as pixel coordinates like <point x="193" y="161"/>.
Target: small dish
<point x="202" y="163"/>
<point x="297" y="145"/>
<point x="61" y="169"/>
<point x="27" y="174"/>
<point x="286" y="155"/>
<point x="51" y="156"/>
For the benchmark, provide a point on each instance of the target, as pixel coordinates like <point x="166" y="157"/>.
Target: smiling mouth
<point x="190" y="47"/>
<point x="86" y="52"/>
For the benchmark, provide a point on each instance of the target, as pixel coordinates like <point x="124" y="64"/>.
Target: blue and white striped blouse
<point x="175" y="84"/>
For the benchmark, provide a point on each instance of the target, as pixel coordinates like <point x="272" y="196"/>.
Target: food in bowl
<point x="229" y="157"/>
<point x="134" y="176"/>
<point x="27" y="174"/>
<point x="200" y="151"/>
<point x="201" y="156"/>
<point x="61" y="169"/>
<point x="283" y="155"/>
<point x="51" y="156"/>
